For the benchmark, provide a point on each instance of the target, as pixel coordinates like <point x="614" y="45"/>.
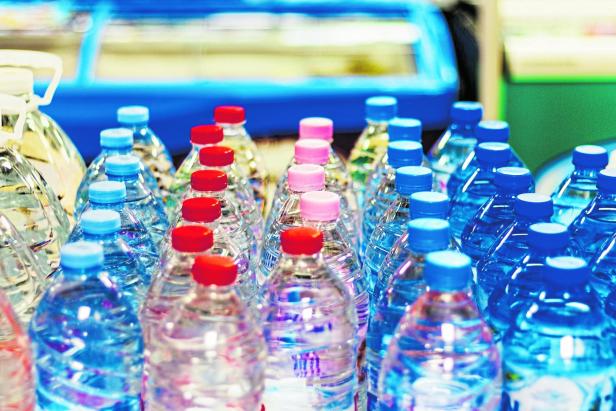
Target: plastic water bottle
<point x="454" y="146"/>
<point x="310" y="326"/>
<point x="497" y="213"/>
<point x="221" y="158"/>
<point x="147" y="207"/>
<point x="479" y="187"/>
<point x="247" y="156"/>
<point x="86" y="338"/>
<point x="210" y="330"/>
<point x="121" y="261"/>
<point x="580" y="187"/>
<point x="392" y="224"/>
<point x="486" y="132"/>
<point x="511" y="245"/>
<point x="372" y="143"/>
<point x="113" y="141"/>
<point x="148" y="146"/>
<point x="603" y="269"/>
<point x="200" y="136"/>
<point x="597" y="222"/>
<point x="402" y="289"/>
<point x="442" y="355"/>
<point x="17" y="389"/>
<point x="557" y="353"/>
<point x="302" y="179"/>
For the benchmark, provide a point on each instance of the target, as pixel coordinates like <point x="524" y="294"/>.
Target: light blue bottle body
<point x="603" y="268"/>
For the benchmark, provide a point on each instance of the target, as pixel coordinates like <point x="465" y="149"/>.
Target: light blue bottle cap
<point x="492" y="131"/>
<point x="589" y="156"/>
<point x="548" y="236"/>
<point x="466" y="112"/>
<point x="124" y="165"/>
<point x="606" y="181"/>
<point x="429" y="204"/>
<point x="116" y="138"/>
<point x="404" y="129"/>
<point x="81" y="255"/>
<point x="107" y="192"/>
<point x="447" y="271"/>
<point x="100" y="222"/>
<point x="381" y="108"/>
<point x="133" y="115"/>
<point x="411" y="179"/>
<point x="533" y="205"/>
<point x="428" y="234"/>
<point x="513" y="179"/>
<point x="566" y="271"/>
<point x="493" y="154"/>
<point x="404" y="153"/>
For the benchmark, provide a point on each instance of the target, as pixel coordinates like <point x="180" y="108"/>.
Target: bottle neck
<point x="219" y="195"/>
<point x="606" y="196"/>
<point x="212" y="225"/>
<point x="232" y="129"/>
<point x="125" y="179"/>
<point x="101" y="237"/>
<point x="528" y="221"/>
<point x="113" y="151"/>
<point x="140" y="130"/>
<point x="585" y="173"/>
<point x="81" y="272"/>
<point x="463" y="130"/>
<point x="323" y="226"/>
<point x="107" y="206"/>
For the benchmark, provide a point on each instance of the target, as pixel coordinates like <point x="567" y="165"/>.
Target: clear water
<point x="442" y="357"/>
<point x="310" y="325"/>
<point x="603" y="266"/>
<point x="181" y="179"/>
<point x="573" y="195"/>
<point x="87" y="345"/>
<point x="375" y="206"/>
<point x="380" y="173"/>
<point x="595" y="224"/>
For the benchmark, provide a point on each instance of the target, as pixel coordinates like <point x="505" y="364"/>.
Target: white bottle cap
<point x="16" y="81"/>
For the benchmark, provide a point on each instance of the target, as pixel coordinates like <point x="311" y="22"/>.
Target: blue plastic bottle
<point x="479" y="187"/>
<point x="392" y="223"/>
<point x="511" y="245"/>
<point x="579" y="188"/>
<point x="86" y="338"/>
<point x="603" y="268"/>
<point x="497" y="213"/>
<point x="442" y="356"/>
<point x="403" y="288"/>
<point x="452" y="148"/>
<point x="557" y="354"/>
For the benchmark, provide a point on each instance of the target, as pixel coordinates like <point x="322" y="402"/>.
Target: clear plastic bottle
<point x="454" y="146"/>
<point x="247" y="156"/>
<point x="603" y="269"/>
<point x="511" y="245"/>
<point x="322" y="128"/>
<point x="200" y="136"/>
<point x="113" y="141"/>
<point x="442" y="356"/>
<point x="148" y="146"/>
<point x="496" y="214"/>
<point x="557" y="354"/>
<point x="580" y="187"/>
<point x="310" y="325"/>
<point x="479" y="187"/>
<point x="147" y="207"/>
<point x="209" y="353"/>
<point x="392" y="223"/>
<point x="402" y="289"/>
<point x="372" y="143"/>
<point x="86" y="338"/>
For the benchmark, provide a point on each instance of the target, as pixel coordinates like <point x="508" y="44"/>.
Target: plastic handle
<point x="12" y="105"/>
<point x="35" y="60"/>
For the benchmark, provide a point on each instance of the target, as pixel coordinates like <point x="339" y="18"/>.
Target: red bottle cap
<point x="192" y="239"/>
<point x="301" y="240"/>
<point x="216" y="156"/>
<point x="208" y="180"/>
<point x="201" y="209"/>
<point x="229" y="114"/>
<point x="206" y="134"/>
<point x="214" y="270"/>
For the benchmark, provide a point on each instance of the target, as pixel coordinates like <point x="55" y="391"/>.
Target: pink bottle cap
<point x="318" y="128"/>
<point x="306" y="177"/>
<point x="320" y="206"/>
<point x="311" y="151"/>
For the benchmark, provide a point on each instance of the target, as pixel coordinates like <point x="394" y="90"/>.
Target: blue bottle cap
<point x="513" y="179"/>
<point x="429" y="204"/>
<point x="404" y="129"/>
<point x="492" y="131"/>
<point x="404" y="153"/>
<point x="428" y="234"/>
<point x="533" y="205"/>
<point x="606" y="181"/>
<point x="116" y="138"/>
<point x="566" y="271"/>
<point x="100" y="222"/>
<point x="133" y="115"/>
<point x="493" y="154"/>
<point x="589" y="156"/>
<point x="81" y="255"/>
<point x="107" y="192"/>
<point x="381" y="108"/>
<point x="548" y="236"/>
<point x="411" y="179"/>
<point x="125" y="165"/>
<point x="466" y="112"/>
<point x="447" y="271"/>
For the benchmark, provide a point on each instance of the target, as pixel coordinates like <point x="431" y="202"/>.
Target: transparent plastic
<point x="574" y="194"/>
<point x="595" y="224"/>
<point x="376" y="205"/>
